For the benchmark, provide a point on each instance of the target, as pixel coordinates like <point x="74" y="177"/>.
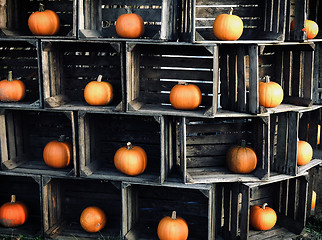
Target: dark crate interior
<point x="105" y="134"/>
<point x="16" y="13"/>
<point x="28" y="132"/>
<point x="151" y="204"/>
<point x="66" y="200"/>
<point x="154" y="70"/>
<point x="72" y="65"/>
<point x="21" y="57"/>
<point x="27" y="190"/>
<point x="207" y="141"/>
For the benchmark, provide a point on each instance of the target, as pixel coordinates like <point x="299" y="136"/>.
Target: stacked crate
<point x="186" y="149"/>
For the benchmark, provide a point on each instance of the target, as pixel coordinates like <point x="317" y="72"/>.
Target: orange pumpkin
<point x="262" y="217"/>
<point x="12" y="90"/>
<point x="129" y="25"/>
<point x="270" y="93"/>
<point x="98" y="93"/>
<point x="228" y="27"/>
<point x="318" y="135"/>
<point x="311" y="28"/>
<point x="57" y="153"/>
<point x="173" y="228"/>
<point x="44" y="22"/>
<point x="241" y="159"/>
<point x="185" y="96"/>
<point x="131" y="160"/>
<point x="13" y="214"/>
<point x="304" y="153"/>
<point x="93" y="219"/>
<point x="313" y="202"/>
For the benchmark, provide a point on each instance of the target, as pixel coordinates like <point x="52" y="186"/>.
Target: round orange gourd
<point x="131" y="160"/>
<point x="12" y="90"/>
<point x="44" y="22"/>
<point x="311" y="28"/>
<point x="173" y="228"/>
<point x="129" y="25"/>
<point x="304" y="153"/>
<point x="241" y="159"/>
<point x="13" y="214"/>
<point x="270" y="94"/>
<point x="185" y="96"/>
<point x="262" y="217"/>
<point x="93" y="219"/>
<point x="313" y="202"/>
<point x="228" y="27"/>
<point x="57" y="153"/>
<point x="318" y="135"/>
<point x="98" y="93"/>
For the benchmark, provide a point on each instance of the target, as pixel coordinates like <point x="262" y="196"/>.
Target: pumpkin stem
<point x="13" y="198"/>
<point x="174" y="215"/>
<point x="182" y="83"/>
<point x="99" y="78"/>
<point x="41" y="7"/>
<point x="267" y="79"/>
<point x="264" y="205"/>
<point x="231" y="11"/>
<point x="129" y="145"/>
<point x="9" y="76"/>
<point x="62" y="138"/>
<point x="243" y="143"/>
<point x="128" y="9"/>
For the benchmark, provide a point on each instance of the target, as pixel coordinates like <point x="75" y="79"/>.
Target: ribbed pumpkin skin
<point x="130" y="161"/>
<point x="57" y="154"/>
<point x="12" y="91"/>
<point x="93" y="219"/>
<point x="304" y="153"/>
<point x="270" y="94"/>
<point x="13" y="214"/>
<point x="228" y="27"/>
<point x="98" y="93"/>
<point x="129" y="25"/>
<point x="185" y="97"/>
<point x="44" y="23"/>
<point x="262" y="219"/>
<point x="172" y="229"/>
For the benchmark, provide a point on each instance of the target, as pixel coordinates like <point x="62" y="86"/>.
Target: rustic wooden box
<point x="243" y="66"/>
<point x="317" y="74"/>
<point x="27" y="189"/>
<point x="23" y="59"/>
<point x="65" y="199"/>
<point x="286" y="195"/>
<point x="144" y="206"/>
<point x="24" y="135"/>
<point x="263" y="19"/>
<point x="97" y="18"/>
<point x="14" y="16"/>
<point x="153" y="69"/>
<point x="68" y="66"/>
<point x="202" y="145"/>
<point x="101" y="135"/>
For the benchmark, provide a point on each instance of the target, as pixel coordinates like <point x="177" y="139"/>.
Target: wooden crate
<point x="24" y="135"/>
<point x="14" y="16"/>
<point x="286" y="195"/>
<point x="22" y="58"/>
<point x="153" y="69"/>
<point x="243" y="66"/>
<point x="101" y="135"/>
<point x="65" y="199"/>
<point x="144" y="206"/>
<point x="263" y="20"/>
<point x="317" y="83"/>
<point x="68" y="66"/>
<point x="97" y="18"/>
<point x="202" y="145"/>
<point x="27" y="189"/>
<point x="314" y="7"/>
<point x="286" y="128"/>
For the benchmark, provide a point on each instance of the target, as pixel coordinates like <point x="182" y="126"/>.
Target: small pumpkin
<point x="262" y="217"/>
<point x="173" y="228"/>
<point x="93" y="219"/>
<point x="98" y="93"/>
<point x="131" y="160"/>
<point x="44" y="22"/>
<point x="185" y="96"/>
<point x="129" y="25"/>
<point x="12" y="90"/>
<point x="13" y="214"/>
<point x="58" y="153"/>
<point x="270" y="93"/>
<point x="313" y="202"/>
<point x="304" y="153"/>
<point x="241" y="159"/>
<point x="318" y="135"/>
<point x="228" y="27"/>
<point x="311" y="28"/>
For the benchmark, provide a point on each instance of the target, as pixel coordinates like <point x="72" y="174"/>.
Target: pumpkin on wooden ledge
<point x="173" y="228"/>
<point x="270" y="93"/>
<point x="304" y="153"/>
<point x="129" y="25"/>
<point x="310" y="27"/>
<point x="262" y="217"/>
<point x="93" y="219"/>
<point x="12" y="90"/>
<point x="13" y="214"/>
<point x="98" y="93"/>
